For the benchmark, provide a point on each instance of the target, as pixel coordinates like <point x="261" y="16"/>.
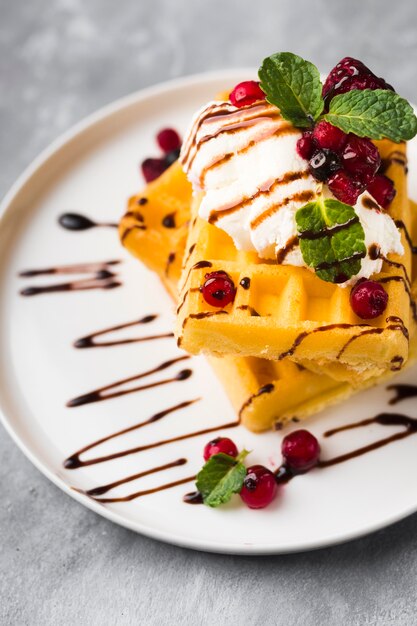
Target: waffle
<point x="262" y="392"/>
<point x="155" y="227"/>
<point x="288" y="311"/>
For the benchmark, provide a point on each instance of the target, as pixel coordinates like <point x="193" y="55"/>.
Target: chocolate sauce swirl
<point x="99" y="395"/>
<point x="102" y="277"/>
<point x="89" y="341"/>
<point x="99" y="491"/>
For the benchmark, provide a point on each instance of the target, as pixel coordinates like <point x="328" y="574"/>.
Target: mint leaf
<point x="332" y="240"/>
<point x="294" y="86"/>
<point x="221" y="477"/>
<point x="373" y="113"/>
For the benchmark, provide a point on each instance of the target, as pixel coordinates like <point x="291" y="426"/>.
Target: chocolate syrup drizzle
<point x="401" y="225"/>
<point x="74" y="461"/>
<point x="401" y="279"/>
<point x="402" y="392"/>
<point x="99" y="395"/>
<point x="284" y="473"/>
<point x="394" y="323"/>
<point x="170" y="260"/>
<point x="89" y="341"/>
<point x="384" y="419"/>
<point x="101" y="277"/>
<point x="99" y="491"/>
<point x="289" y="246"/>
<point x="76" y="221"/>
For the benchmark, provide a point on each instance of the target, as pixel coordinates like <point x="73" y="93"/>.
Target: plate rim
<point x="165" y="536"/>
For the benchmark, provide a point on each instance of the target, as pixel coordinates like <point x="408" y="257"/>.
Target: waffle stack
<point x="264" y="392"/>
<point x="286" y="312"/>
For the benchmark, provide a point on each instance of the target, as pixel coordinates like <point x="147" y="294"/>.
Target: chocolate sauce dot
<point x="97" y="491"/>
<point x="194" y="497"/>
<point x="75" y="221"/>
<point x="283" y="474"/>
<point x="184" y="374"/>
<point x="245" y="282"/>
<point x="103" y="274"/>
<point x="142" y="201"/>
<point x="169" y="221"/>
<point x="84" y="342"/>
<point x="30" y="291"/>
<point x="72" y="462"/>
<point x="148" y="318"/>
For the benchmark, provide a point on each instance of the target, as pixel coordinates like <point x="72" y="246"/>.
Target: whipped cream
<point x="245" y="160"/>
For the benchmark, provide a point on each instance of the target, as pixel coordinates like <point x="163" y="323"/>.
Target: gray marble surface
<point x="59" y="562"/>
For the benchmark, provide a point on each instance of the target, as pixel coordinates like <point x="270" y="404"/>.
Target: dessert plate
<point x="124" y="414"/>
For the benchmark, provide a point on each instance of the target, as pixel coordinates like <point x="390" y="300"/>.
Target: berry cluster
<point x="347" y="163"/>
<point x="170" y="143"/>
<point x="300" y="451"/>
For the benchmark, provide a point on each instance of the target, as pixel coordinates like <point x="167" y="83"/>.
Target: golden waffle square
<point x="283" y="311"/>
<point x="262" y="392"/>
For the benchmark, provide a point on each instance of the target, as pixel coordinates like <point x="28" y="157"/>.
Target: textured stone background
<point x="59" y="562"/>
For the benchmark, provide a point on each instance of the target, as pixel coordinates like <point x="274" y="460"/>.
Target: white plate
<point x="93" y="169"/>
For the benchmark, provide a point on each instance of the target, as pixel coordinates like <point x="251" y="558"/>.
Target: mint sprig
<point x="374" y="113"/>
<point x="332" y="239"/>
<point x="221" y="477"/>
<point x="294" y="86"/>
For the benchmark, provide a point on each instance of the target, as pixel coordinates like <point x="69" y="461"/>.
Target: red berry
<point x="152" y="168"/>
<point x="220" y="444"/>
<point x="218" y="289"/>
<point x="168" y="139"/>
<point x="368" y="299"/>
<point x="323" y="164"/>
<point x="351" y="74"/>
<point x="300" y="450"/>
<point x="345" y="188"/>
<point x="328" y="136"/>
<point x="246" y="93"/>
<point x="361" y="158"/>
<point x="306" y="145"/>
<point x="382" y="189"/>
<point x="259" y="487"/>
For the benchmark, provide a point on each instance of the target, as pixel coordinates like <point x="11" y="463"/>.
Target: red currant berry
<point x="246" y="93"/>
<point x="300" y="450"/>
<point x="323" y="164"/>
<point x="168" y="139"/>
<point x="382" y="189"/>
<point x="328" y="136"/>
<point x="218" y="289"/>
<point x="345" y="188"/>
<point x="153" y="168"/>
<point x="220" y="444"/>
<point x="368" y="299"/>
<point x="361" y="158"/>
<point x="259" y="487"/>
<point x="306" y="145"/>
